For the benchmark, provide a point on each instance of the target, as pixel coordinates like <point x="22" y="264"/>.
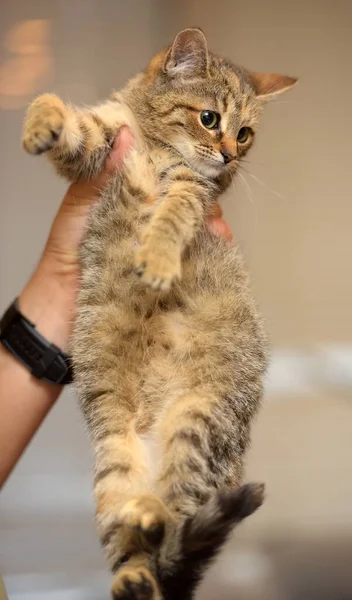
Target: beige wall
<point x="299" y="246"/>
<point x="297" y="241"/>
<point x="296" y="238"/>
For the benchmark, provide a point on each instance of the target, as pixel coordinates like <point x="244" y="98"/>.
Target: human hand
<point x="49" y="297"/>
<point x="217" y="224"/>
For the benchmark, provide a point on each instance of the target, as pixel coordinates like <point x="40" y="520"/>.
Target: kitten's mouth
<point x="210" y="167"/>
<point x="221" y="161"/>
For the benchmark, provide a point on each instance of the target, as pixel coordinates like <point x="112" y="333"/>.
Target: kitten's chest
<point x="162" y="160"/>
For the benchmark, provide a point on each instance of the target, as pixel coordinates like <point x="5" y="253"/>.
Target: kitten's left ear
<point x="269" y="85"/>
<point x="188" y="55"/>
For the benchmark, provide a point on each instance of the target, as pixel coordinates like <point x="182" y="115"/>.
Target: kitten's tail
<point x="186" y="554"/>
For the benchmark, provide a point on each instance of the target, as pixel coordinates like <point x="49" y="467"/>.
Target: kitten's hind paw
<point x="148" y="515"/>
<point x="134" y="583"/>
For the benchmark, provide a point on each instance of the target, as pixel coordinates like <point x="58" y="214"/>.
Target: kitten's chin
<point x="211" y="169"/>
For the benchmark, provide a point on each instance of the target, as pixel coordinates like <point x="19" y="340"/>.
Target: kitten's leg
<point x="77" y="141"/>
<point x="202" y="447"/>
<point x="122" y="474"/>
<point x="172" y="227"/>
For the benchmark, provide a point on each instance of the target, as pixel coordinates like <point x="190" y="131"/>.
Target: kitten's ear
<point x="188" y="55"/>
<point x="269" y="85"/>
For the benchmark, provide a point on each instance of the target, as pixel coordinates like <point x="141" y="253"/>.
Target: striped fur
<point x="167" y="338"/>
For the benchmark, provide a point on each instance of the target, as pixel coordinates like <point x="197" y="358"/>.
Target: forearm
<point x="24" y="403"/>
<point x="26" y="400"/>
<point x="48" y="301"/>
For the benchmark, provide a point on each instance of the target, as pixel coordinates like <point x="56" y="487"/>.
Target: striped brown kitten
<point x="168" y="341"/>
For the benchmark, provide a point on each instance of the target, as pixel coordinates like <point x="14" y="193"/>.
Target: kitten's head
<point x="204" y="106"/>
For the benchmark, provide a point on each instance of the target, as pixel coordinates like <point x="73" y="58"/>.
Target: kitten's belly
<point x="152" y="454"/>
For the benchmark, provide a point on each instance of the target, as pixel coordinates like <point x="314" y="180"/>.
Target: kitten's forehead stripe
<point x="179" y="105"/>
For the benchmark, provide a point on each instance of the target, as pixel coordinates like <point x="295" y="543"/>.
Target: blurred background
<point x="291" y="214"/>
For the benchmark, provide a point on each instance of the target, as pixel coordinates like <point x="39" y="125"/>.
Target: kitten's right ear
<point x="267" y="85"/>
<point x="188" y="55"/>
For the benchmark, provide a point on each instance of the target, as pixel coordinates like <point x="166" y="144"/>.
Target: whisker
<point x="278" y="100"/>
<point x="251" y="162"/>
<point x="265" y="185"/>
<point x="248" y="191"/>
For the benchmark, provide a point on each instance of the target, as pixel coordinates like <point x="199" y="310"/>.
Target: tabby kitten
<point x="167" y="339"/>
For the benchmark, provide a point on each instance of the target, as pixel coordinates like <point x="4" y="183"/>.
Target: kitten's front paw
<point x="156" y="268"/>
<point x="44" y="124"/>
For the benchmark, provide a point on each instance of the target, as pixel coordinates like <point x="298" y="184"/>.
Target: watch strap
<point x="44" y="360"/>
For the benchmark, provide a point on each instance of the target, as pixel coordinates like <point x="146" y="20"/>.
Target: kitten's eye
<point x="209" y="119"/>
<point x="243" y="135"/>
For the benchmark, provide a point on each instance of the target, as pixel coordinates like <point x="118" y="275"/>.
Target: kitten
<point x="167" y="338"/>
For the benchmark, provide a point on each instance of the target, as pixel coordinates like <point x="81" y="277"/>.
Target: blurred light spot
<point x="28" y="65"/>
<point x="245" y="566"/>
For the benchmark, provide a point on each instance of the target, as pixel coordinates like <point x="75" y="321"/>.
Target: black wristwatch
<point x="44" y="360"/>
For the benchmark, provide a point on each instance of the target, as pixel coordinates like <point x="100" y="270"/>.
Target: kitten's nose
<point x="227" y="156"/>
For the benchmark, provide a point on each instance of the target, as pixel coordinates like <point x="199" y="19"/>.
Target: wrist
<point x="48" y="300"/>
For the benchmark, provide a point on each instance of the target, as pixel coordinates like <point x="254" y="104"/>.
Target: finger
<point x="121" y="146"/>
<point x="220" y="227"/>
<point x="216" y="211"/>
<point x="85" y="192"/>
